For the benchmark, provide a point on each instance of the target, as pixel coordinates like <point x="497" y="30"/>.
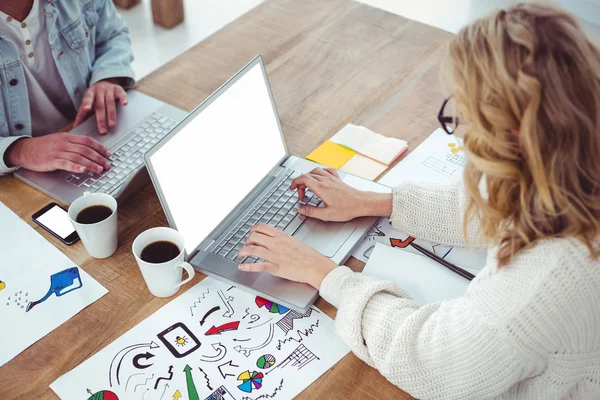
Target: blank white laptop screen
<point x="208" y="167"/>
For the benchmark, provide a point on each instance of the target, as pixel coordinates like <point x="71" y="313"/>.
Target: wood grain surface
<point x="330" y="62"/>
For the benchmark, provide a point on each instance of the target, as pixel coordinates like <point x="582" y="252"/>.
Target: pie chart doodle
<point x="250" y="381"/>
<point x="269" y="305"/>
<point x="102" y="395"/>
<point x="266" y="361"/>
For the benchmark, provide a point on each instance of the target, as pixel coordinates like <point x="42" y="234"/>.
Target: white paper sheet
<point x="365" y="185"/>
<point x="30" y="269"/>
<point x="439" y="159"/>
<point x="214" y="340"/>
<point x="425" y="280"/>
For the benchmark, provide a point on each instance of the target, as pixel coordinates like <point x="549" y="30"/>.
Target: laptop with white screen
<point x="225" y="168"/>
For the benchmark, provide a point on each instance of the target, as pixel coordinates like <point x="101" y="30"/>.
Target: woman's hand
<point x="341" y="202"/>
<point x="284" y="256"/>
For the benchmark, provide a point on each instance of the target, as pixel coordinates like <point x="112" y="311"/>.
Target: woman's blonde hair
<point x="527" y="81"/>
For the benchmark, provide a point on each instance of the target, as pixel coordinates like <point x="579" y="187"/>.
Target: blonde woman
<point x="527" y="86"/>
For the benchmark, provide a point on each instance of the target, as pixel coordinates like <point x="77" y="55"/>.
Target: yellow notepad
<point x="331" y="154"/>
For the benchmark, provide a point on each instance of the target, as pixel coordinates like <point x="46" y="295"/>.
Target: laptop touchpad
<point x="325" y="237"/>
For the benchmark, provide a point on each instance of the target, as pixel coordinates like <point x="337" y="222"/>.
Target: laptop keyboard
<point x="127" y="158"/>
<point x="277" y="208"/>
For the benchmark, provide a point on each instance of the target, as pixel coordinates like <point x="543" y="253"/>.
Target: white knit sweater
<point x="529" y="330"/>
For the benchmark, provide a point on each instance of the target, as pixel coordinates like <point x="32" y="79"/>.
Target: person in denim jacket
<point x="59" y="60"/>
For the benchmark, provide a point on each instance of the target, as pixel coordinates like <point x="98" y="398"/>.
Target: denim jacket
<point x="89" y="41"/>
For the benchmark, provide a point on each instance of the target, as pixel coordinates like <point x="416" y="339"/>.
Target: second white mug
<point x="163" y="279"/>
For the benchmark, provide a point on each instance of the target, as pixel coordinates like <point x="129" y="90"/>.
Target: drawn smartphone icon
<point x="179" y="340"/>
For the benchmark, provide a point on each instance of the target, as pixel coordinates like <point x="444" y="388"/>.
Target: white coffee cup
<point x="100" y="239"/>
<point x="164" y="279"/>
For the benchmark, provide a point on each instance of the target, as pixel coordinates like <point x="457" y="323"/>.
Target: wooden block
<point x="167" y="13"/>
<point x="126" y="4"/>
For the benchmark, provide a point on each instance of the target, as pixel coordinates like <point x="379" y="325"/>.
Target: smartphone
<point x="55" y="220"/>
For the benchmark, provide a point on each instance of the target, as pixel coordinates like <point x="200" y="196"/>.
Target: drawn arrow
<point x="170" y="372"/>
<point x="221" y="352"/>
<point x="225" y="375"/>
<point x="191" y="386"/>
<point x="212" y="310"/>
<point x="177" y="395"/>
<point x="401" y="243"/>
<point x="164" y="390"/>
<point x="126" y="350"/>
<point x="248" y="350"/>
<point x="146" y="356"/>
<point x="216" y="330"/>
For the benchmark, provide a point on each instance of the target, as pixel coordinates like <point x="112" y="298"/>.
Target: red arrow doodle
<point x="217" y="330"/>
<point x="402" y="243"/>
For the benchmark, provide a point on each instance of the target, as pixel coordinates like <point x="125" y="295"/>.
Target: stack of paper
<point x="370" y="144"/>
<point x="359" y="151"/>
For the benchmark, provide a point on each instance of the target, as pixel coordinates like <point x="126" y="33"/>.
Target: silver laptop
<point x="225" y="168"/>
<point x="140" y="125"/>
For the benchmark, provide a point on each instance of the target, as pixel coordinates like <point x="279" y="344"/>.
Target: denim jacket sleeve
<point x="113" y="46"/>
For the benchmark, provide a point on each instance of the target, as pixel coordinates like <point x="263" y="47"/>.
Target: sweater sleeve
<point x="435" y="213"/>
<point x="437" y="351"/>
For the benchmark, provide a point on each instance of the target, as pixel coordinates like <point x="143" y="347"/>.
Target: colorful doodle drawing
<point x="227" y="302"/>
<point x="221" y="353"/>
<point x="444" y="168"/>
<point x="269" y="305"/>
<point x="2" y="285"/>
<point x="179" y="340"/>
<point x="231" y="364"/>
<point x="212" y="310"/>
<point x="267" y="396"/>
<point x="176" y="395"/>
<point x="248" y="350"/>
<point x="199" y="301"/>
<point x="123" y="353"/>
<point x="266" y="361"/>
<point x="286" y="323"/>
<point x="299" y="358"/>
<point x="102" y="395"/>
<point x="61" y="283"/>
<point x="300" y="335"/>
<point x="217" y="330"/>
<point x="164" y="378"/>
<point x="402" y="243"/>
<point x="191" y="386"/>
<point x="250" y="381"/>
<point x="220" y="394"/>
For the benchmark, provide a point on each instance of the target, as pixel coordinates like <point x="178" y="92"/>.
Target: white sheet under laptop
<point x="226" y="168"/>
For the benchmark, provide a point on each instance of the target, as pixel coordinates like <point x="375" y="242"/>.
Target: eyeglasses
<point x="448" y="123"/>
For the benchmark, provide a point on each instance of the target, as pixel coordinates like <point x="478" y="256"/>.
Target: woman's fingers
<point x="254" y="251"/>
<point x="257" y="267"/>
<point x="265" y="230"/>
<point x="259" y="239"/>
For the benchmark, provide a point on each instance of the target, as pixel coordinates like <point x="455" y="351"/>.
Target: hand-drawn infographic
<point x="2" y="285"/>
<point x="61" y="283"/>
<point x="102" y="395"/>
<point x="179" y="340"/>
<point x="250" y="381"/>
<point x="214" y="343"/>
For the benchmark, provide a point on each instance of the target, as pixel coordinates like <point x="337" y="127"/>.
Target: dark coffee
<point x="93" y="214"/>
<point x="160" y="252"/>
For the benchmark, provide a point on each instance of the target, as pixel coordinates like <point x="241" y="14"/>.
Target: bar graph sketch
<point x="444" y="168"/>
<point x="299" y="358"/>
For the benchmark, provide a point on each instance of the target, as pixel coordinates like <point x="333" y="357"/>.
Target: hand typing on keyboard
<point x="341" y="202"/>
<point x="58" y="151"/>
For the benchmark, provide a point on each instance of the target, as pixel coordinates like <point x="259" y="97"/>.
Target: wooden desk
<point x="330" y="62"/>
